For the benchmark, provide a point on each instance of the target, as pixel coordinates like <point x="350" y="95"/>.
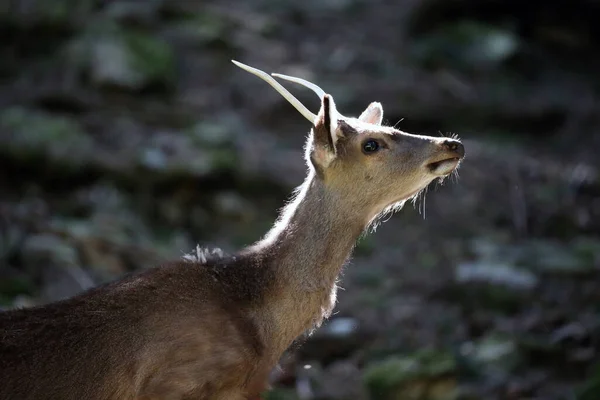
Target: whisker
<point x="424" y="201"/>
<point x="396" y="124"/>
<point x="455" y="175"/>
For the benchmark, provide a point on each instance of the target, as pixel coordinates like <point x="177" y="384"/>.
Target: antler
<point x="320" y="92"/>
<point x="283" y="91"/>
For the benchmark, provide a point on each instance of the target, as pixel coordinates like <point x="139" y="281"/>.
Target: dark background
<point x="127" y="136"/>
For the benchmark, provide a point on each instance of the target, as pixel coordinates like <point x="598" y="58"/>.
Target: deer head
<point x="375" y="167"/>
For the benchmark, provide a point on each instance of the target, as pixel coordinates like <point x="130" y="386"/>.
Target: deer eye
<point x="370" y="146"/>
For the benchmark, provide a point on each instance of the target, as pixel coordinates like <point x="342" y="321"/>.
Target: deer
<point x="212" y="326"/>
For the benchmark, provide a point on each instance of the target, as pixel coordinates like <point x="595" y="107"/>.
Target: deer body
<point x="212" y="329"/>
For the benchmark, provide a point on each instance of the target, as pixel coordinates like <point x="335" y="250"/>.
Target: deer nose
<point x="454" y="146"/>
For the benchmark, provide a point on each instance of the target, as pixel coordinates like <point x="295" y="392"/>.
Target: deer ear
<point x="325" y="134"/>
<point x="373" y="114"/>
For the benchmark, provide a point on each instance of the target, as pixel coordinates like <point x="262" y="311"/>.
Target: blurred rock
<point x="11" y="236"/>
<point x="58" y="14"/>
<point x="554" y="258"/>
<point x="26" y="133"/>
<point x="55" y="262"/>
<point x="46" y="249"/>
<point x="467" y="45"/>
<point x="23" y="302"/>
<point x="424" y="375"/>
<point x="490" y="249"/>
<point x="214" y="134"/>
<point x="336" y="339"/>
<point x="204" y="30"/>
<point x="232" y="205"/>
<point x="342" y="380"/>
<point x="102" y="258"/>
<point x="126" y="59"/>
<point x="491" y="286"/>
<point x="174" y="154"/>
<point x="134" y="12"/>
<point x="493" y="356"/>
<point x="496" y="275"/>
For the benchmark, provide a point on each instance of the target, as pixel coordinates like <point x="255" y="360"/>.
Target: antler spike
<point x="283" y="91"/>
<point x="320" y="92"/>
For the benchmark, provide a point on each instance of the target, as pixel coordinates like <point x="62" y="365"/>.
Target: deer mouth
<point x="443" y="167"/>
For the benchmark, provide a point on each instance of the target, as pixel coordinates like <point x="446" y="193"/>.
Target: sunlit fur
<point x="345" y="193"/>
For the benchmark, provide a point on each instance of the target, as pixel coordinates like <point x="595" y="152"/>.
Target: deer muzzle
<point x="448" y="158"/>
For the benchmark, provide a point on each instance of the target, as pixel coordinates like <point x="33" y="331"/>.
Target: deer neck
<point x="306" y="250"/>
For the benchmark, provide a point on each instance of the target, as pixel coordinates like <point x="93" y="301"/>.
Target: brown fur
<point x="213" y="329"/>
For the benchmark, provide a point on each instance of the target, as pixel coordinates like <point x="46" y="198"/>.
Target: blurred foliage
<point x="466" y="45"/>
<point x="591" y="389"/>
<point x="427" y="375"/>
